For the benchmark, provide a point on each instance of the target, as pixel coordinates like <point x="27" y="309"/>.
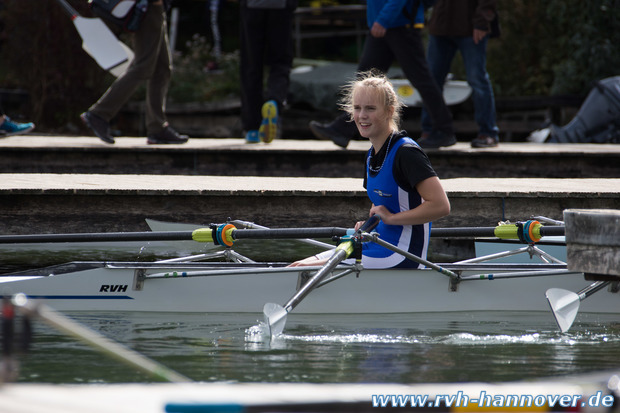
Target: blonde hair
<point x="378" y="82"/>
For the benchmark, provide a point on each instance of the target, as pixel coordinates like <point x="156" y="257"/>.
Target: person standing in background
<point x="266" y="40"/>
<point x="465" y="26"/>
<point x="395" y="35"/>
<point x="152" y="63"/>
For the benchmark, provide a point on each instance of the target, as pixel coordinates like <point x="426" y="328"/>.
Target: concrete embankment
<point x="78" y="184"/>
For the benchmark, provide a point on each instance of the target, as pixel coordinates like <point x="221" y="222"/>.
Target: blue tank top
<point x="383" y="190"/>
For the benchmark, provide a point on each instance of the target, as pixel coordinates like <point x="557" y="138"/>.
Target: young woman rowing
<point x="401" y="183"/>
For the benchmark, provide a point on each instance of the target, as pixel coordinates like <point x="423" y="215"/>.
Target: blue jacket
<point x="391" y="13"/>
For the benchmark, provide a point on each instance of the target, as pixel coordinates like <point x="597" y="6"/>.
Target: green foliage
<point x="554" y="47"/>
<point x="200" y="76"/>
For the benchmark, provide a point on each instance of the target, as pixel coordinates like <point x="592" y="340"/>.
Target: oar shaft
<point x="98" y="237"/>
<point x="413" y="257"/>
<point x="332" y="263"/>
<point x="291" y="233"/>
<point x="231" y="234"/>
<point x="342" y="252"/>
<point x="474" y="232"/>
<point x="200" y="235"/>
<point x="100" y="342"/>
<point x="591" y="289"/>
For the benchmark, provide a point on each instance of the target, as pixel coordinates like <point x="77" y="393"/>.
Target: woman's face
<point x="371" y="116"/>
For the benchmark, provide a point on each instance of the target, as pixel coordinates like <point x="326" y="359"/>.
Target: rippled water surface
<point x="395" y="348"/>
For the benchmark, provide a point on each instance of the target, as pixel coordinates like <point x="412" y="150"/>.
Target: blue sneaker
<point x="8" y="127"/>
<point x="269" y="126"/>
<point x="252" y="137"/>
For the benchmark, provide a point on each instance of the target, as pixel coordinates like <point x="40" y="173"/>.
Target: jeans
<point x="441" y="52"/>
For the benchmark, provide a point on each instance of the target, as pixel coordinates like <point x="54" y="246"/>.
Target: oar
<point x="565" y="304"/>
<point x="506" y="231"/>
<point x="98" y="341"/>
<point x="275" y="314"/>
<point x="224" y="234"/>
<point x="100" y="43"/>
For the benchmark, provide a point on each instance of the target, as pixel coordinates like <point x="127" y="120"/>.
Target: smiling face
<point x="371" y="114"/>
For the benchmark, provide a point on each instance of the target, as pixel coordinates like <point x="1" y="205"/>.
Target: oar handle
<point x="370" y="224"/>
<point x="70" y="10"/>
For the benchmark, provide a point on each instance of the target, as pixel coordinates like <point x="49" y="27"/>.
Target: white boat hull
<point x="111" y="288"/>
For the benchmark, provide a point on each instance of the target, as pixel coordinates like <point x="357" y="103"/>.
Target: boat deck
<point x="79" y="184"/>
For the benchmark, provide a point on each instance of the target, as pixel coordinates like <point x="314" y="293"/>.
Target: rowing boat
<point x="190" y="284"/>
<point x="246" y="287"/>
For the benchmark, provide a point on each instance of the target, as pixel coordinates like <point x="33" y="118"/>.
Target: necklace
<point x="376" y="170"/>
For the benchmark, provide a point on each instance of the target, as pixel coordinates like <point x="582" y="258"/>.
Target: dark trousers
<point x="266" y="40"/>
<point x="405" y="45"/>
<point x="152" y="63"/>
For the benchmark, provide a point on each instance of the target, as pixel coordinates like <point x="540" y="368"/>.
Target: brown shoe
<point x="484" y="141"/>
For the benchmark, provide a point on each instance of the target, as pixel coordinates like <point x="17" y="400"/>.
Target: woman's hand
<point x="382" y="212"/>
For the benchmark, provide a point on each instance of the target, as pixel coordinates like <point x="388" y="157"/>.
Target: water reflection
<point x="396" y="348"/>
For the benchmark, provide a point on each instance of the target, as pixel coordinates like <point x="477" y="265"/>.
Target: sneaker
<point x="252" y="137"/>
<point x="8" y="127"/>
<point x="269" y="126"/>
<point x="484" y="141"/>
<point x="327" y="131"/>
<point x="98" y="125"/>
<point x="437" y="139"/>
<point x="166" y="136"/>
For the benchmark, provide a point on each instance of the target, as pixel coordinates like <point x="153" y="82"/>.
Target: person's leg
<point x="406" y="44"/>
<point x="279" y="41"/>
<point x="146" y="47"/>
<point x="474" y="58"/>
<point x="157" y="85"/>
<point x="440" y="53"/>
<point x="251" y="66"/>
<point x="279" y="44"/>
<point x="376" y="55"/>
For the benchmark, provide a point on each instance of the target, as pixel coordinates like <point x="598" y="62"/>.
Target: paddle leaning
<point x="100" y="43"/>
<point x="275" y="315"/>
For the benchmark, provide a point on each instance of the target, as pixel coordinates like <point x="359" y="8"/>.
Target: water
<point x="355" y="348"/>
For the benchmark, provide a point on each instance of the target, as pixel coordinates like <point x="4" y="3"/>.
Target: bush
<point x="200" y="76"/>
<point x="554" y="47"/>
